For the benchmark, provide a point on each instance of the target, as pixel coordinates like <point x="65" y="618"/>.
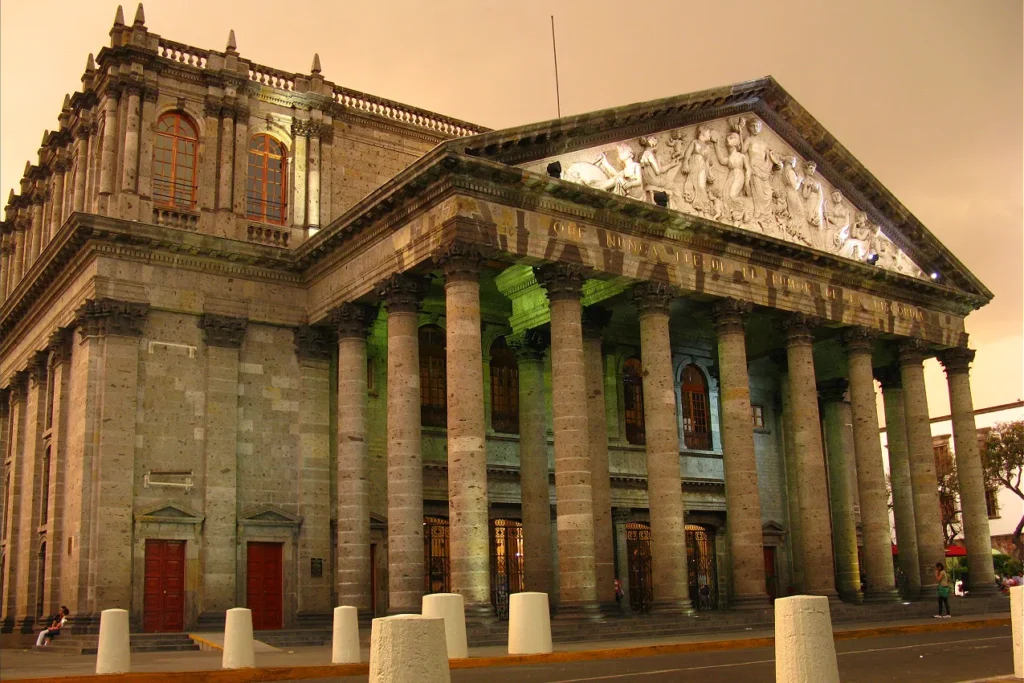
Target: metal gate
<point x="638" y="545"/>
<point x="436" y="568"/>
<point x="703" y="564"/>
<point x="506" y="562"/>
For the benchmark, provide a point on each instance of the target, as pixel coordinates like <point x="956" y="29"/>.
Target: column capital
<point x="222" y="330"/>
<point x="833" y="390"/>
<point x="730" y="314"/>
<point x="18" y="386"/>
<point x="912" y="352"/>
<point x="401" y="293"/>
<point x="313" y="342"/>
<point x="957" y="360"/>
<point x="652" y="297"/>
<point x="561" y="280"/>
<point x="595" y="319"/>
<point x="529" y="345"/>
<point x="351" y="320"/>
<point x="799" y="328"/>
<point x="460" y="261"/>
<point x="38" y="366"/>
<point x="621" y="515"/>
<point x="212" y="107"/>
<point x="101" y="317"/>
<point x="59" y="344"/>
<point x="889" y="377"/>
<point x="859" y="340"/>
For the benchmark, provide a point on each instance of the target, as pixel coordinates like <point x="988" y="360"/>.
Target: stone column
<point x="223" y="336"/>
<point x="326" y="173"/>
<point x="81" y="163"/>
<point x="14" y="492"/>
<point x="573" y="492"/>
<point x="594" y="321"/>
<point x="620" y="517"/>
<point x="59" y="347"/>
<point x="923" y="479"/>
<point x="792" y="483"/>
<point x="353" y="571"/>
<point x="35" y="240"/>
<point x="241" y="143"/>
<point x="981" y="578"/>
<point x="108" y="155"/>
<point x="208" y="156"/>
<point x="57" y="209"/>
<point x="146" y="141"/>
<point x="874" y="509"/>
<point x="300" y="129"/>
<point x="130" y="169"/>
<point x="839" y="451"/>
<point x="899" y="477"/>
<point x="227" y="156"/>
<point x="670" y="578"/>
<point x="27" y="515"/>
<point x="17" y="255"/>
<point x="405" y="461"/>
<point x="818" y="566"/>
<point x="313" y="179"/>
<point x="6" y="233"/>
<point x="469" y="542"/>
<point x="742" y="494"/>
<point x="530" y="346"/>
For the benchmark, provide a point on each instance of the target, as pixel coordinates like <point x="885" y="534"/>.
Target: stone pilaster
<point x="241" y="169"/>
<point x="14" y="491"/>
<point x="313" y="177"/>
<point x="594" y="321"/>
<point x="146" y="141"/>
<point x="227" y="159"/>
<point x="401" y="296"/>
<point x="957" y="363"/>
<point x="530" y="346"/>
<point x="34" y="239"/>
<point x="57" y="193"/>
<point x="326" y="174"/>
<point x="223" y="336"/>
<point x="927" y="517"/>
<point x="81" y="163"/>
<point x="874" y="510"/>
<point x="351" y="322"/>
<point x="839" y="451"/>
<point x="469" y="542"/>
<point x="59" y="347"/>
<point x="129" y="167"/>
<point x="5" y="261"/>
<point x="818" y="566"/>
<point x="208" y="156"/>
<point x="300" y="130"/>
<point x="108" y="153"/>
<point x="573" y="492"/>
<point x="899" y="477"/>
<point x="664" y="489"/>
<point x="620" y="517"/>
<point x="742" y="494"/>
<point x="17" y="261"/>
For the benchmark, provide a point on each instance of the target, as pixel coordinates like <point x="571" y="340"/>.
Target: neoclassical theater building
<point x="271" y="342"/>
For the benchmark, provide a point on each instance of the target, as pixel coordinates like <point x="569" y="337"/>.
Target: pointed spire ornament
<point x="232" y="47"/>
<point x="46" y="134"/>
<point x="90" y="64"/>
<point x="10" y="197"/>
<point x="28" y="168"/>
<point x="140" y="16"/>
<point x="67" y="102"/>
<point x="315" y="69"/>
<point x="119" y="17"/>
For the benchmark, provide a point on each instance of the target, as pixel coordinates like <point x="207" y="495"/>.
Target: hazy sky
<point x="927" y="94"/>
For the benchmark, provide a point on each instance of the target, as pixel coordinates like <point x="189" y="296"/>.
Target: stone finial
<point x="90" y="64"/>
<point x="119" y="17"/>
<point x="140" y="16"/>
<point x="232" y="48"/>
<point x="315" y="69"/>
<point x="66" y="106"/>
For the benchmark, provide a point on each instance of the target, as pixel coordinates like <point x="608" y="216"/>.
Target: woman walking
<point x="942" y="589"/>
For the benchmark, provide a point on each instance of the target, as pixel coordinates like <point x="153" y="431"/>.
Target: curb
<point x="282" y="673"/>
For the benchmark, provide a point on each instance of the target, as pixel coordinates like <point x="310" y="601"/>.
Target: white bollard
<point x="529" y="624"/>
<point x="238" y="650"/>
<point x="1017" y="624"/>
<point x="345" y="644"/>
<point x="804" y="649"/>
<point x="451" y="608"/>
<point x="406" y="648"/>
<point x="115" y="654"/>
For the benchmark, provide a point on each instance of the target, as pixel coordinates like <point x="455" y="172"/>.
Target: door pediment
<point x="169" y="513"/>
<point x="269" y="515"/>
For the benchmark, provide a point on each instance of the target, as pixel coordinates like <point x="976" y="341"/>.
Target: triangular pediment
<point x="169" y="513"/>
<point x="269" y="515"/>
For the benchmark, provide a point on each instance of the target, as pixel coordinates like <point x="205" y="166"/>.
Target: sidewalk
<point x="314" y="662"/>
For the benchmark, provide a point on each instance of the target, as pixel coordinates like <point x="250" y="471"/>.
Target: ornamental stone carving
<point x="595" y="319"/>
<point x="859" y="340"/>
<point x="912" y="352"/>
<point x="529" y="345"/>
<point x="957" y="361"/>
<point x="18" y="386"/>
<point x="799" y="328"/>
<point x="561" y="280"/>
<point x="101" y="317"/>
<point x="314" y="343"/>
<point x="223" y="331"/>
<point x="652" y="297"/>
<point x="730" y="314"/>
<point x="59" y="344"/>
<point x="833" y="390"/>
<point x="401" y="293"/>
<point x="38" y="366"/>
<point x="351" y="320"/>
<point x="460" y="261"/>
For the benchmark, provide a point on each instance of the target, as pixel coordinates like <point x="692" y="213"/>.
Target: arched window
<point x="696" y="417"/>
<point x="504" y="388"/>
<point x="633" y="394"/>
<point x="41" y="579"/>
<point x="433" y="377"/>
<point x="174" y="161"/>
<point x="44" y="488"/>
<point x="265" y="198"/>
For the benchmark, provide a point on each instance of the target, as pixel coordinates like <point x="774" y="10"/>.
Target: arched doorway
<point x="638" y="546"/>
<point x="506" y="562"/>
<point x="703" y="566"/>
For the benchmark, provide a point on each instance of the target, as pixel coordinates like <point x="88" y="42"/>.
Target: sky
<point x="926" y="93"/>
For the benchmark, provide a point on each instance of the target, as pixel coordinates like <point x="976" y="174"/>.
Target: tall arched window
<point x="633" y="395"/>
<point x="433" y="377"/>
<point x="696" y="416"/>
<point x="174" y="161"/>
<point x="504" y="388"/>
<point x="265" y="197"/>
<point x="41" y="579"/>
<point x="44" y="487"/>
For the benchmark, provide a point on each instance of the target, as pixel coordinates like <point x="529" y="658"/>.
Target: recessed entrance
<point x="164" y="593"/>
<point x="264" y="593"/>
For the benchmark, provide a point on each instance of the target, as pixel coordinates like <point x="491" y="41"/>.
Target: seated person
<point x="54" y="630"/>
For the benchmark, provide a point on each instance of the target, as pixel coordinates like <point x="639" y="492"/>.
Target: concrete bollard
<point x="529" y="624"/>
<point x="238" y="650"/>
<point x="408" y="647"/>
<point x="115" y="653"/>
<point x="804" y="649"/>
<point x="451" y="608"/>
<point x="1017" y="624"/>
<point x="345" y="643"/>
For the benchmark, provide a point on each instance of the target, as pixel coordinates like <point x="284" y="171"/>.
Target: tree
<point x="949" y="496"/>
<point x="1002" y="457"/>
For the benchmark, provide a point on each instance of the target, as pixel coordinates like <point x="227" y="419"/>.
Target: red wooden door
<point x="264" y="591"/>
<point x="769" y="571"/>
<point x="164" y="595"/>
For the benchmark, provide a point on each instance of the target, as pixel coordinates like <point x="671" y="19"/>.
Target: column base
<point x="880" y="596"/>
<point x="831" y="594"/>
<point x="86" y="623"/>
<point x="985" y="590"/>
<point x="750" y="601"/>
<point x="480" y="614"/>
<point x="212" y="620"/>
<point x="578" y="611"/>
<point x="24" y="625"/>
<point x="682" y="607"/>
<point x="610" y="610"/>
<point x="319" y="620"/>
<point x="853" y="597"/>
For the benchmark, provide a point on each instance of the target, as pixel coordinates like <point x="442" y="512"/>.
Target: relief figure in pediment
<point x="793" y="214"/>
<point x="697" y="166"/>
<point x="837" y="219"/>
<point x="658" y="178"/>
<point x="814" y="204"/>
<point x="888" y="254"/>
<point x="857" y="243"/>
<point x="761" y="160"/>
<point x="629" y="181"/>
<point x="738" y="208"/>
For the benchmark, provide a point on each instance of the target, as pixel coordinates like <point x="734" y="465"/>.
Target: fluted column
<point x="81" y="162"/>
<point x="467" y="454"/>
<point x="899" y="477"/>
<point x="405" y="461"/>
<point x="6" y="234"/>
<point x="35" y="233"/>
<point x="17" y="260"/>
<point x="17" y="395"/>
<point x="742" y="494"/>
<point x="670" y="579"/>
<point x="620" y="518"/>
<point x="227" y="156"/>
<point x="529" y="347"/>
<point x="839" y="451"/>
<point x="923" y="479"/>
<point x="981" y="577"/>
<point x="573" y="492"/>
<point x="108" y="155"/>
<point x="874" y="509"/>
<point x="57" y="206"/>
<point x="129" y="167"/>
<point x="818" y="566"/>
<point x="595" y="319"/>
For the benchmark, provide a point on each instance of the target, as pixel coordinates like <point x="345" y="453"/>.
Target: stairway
<point x="140" y="642"/>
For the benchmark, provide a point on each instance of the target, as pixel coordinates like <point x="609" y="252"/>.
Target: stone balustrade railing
<point x="264" y="75"/>
<point x="395" y="111"/>
<point x="181" y="53"/>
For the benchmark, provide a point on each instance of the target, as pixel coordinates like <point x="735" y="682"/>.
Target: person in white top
<point x="47" y="634"/>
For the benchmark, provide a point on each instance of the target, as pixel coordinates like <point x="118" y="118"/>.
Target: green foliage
<point x="1002" y="458"/>
<point x="1005" y="565"/>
